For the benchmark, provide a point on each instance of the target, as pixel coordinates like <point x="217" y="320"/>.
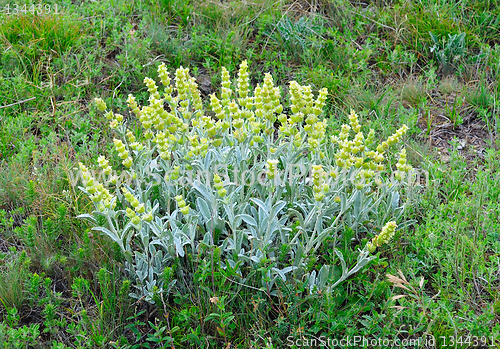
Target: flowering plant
<point x="247" y="180"/>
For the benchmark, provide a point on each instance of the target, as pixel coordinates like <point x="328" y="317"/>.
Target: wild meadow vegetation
<point x="235" y="174"/>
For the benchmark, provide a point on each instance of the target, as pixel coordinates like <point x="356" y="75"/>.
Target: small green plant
<point x="453" y="111"/>
<point x="480" y="98"/>
<point x="297" y="37"/>
<point x="448" y="52"/>
<point x="14" y="270"/>
<point x="414" y="93"/>
<point x="222" y="318"/>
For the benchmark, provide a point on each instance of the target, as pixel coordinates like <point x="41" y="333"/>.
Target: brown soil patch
<point x="467" y="132"/>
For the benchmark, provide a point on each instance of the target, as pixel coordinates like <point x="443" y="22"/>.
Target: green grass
<point x="66" y="281"/>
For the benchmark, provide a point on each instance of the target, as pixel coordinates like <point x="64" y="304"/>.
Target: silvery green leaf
<point x="207" y="238"/>
<point x="223" y="247"/>
<point x="278" y="206"/>
<point x="112" y="235"/>
<point x="342" y="261"/>
<point x="229" y="209"/>
<point x="299" y="255"/>
<point x="395" y="200"/>
<point x="310" y="218"/>
<point x="298" y="215"/>
<point x="262" y="205"/>
<point x="280" y="273"/>
<point x="288" y="269"/>
<point x="203" y="190"/>
<point x="178" y="246"/>
<point x="243" y="257"/>
<point x="88" y="216"/>
<point x="203" y="208"/>
<point x="312" y="281"/>
<point x="248" y="219"/>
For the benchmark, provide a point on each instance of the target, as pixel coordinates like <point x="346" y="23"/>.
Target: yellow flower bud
<point x="101" y="105"/>
<point x="148" y="217"/>
<point x="140" y="209"/>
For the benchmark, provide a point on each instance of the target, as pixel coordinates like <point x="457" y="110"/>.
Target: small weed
<point x="13" y="275"/>
<point x="448" y="52"/>
<point x="414" y="93"/>
<point x="480" y="97"/>
<point x="449" y="85"/>
<point x="452" y="112"/>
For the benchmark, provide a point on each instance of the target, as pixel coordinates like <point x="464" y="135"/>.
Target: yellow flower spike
<point x="243" y="85"/>
<point x="113" y="180"/>
<point x="120" y="147"/>
<point x="211" y="132"/>
<point x="163" y="74"/>
<point x="152" y="88"/>
<point x="103" y="163"/>
<point x="136" y="220"/>
<point x="317" y="174"/>
<point x="130" y="137"/>
<point x="353" y="118"/>
<point x="175" y="173"/>
<point x="344" y="133"/>
<point x="185" y="210"/>
<point x="272" y="168"/>
<point x="311" y="119"/>
<point x="384" y="237"/>
<point x="226" y="91"/>
<point x="297" y="118"/>
<point x="132" y="104"/>
<point x="371" y="137"/>
<point x="371" y="247"/>
<point x="101" y="105"/>
<point x="217" y="178"/>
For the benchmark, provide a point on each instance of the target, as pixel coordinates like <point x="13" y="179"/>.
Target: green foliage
<point x="448" y="52"/>
<point x="22" y="337"/>
<point x="299" y="37"/>
<point x="13" y="275"/>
